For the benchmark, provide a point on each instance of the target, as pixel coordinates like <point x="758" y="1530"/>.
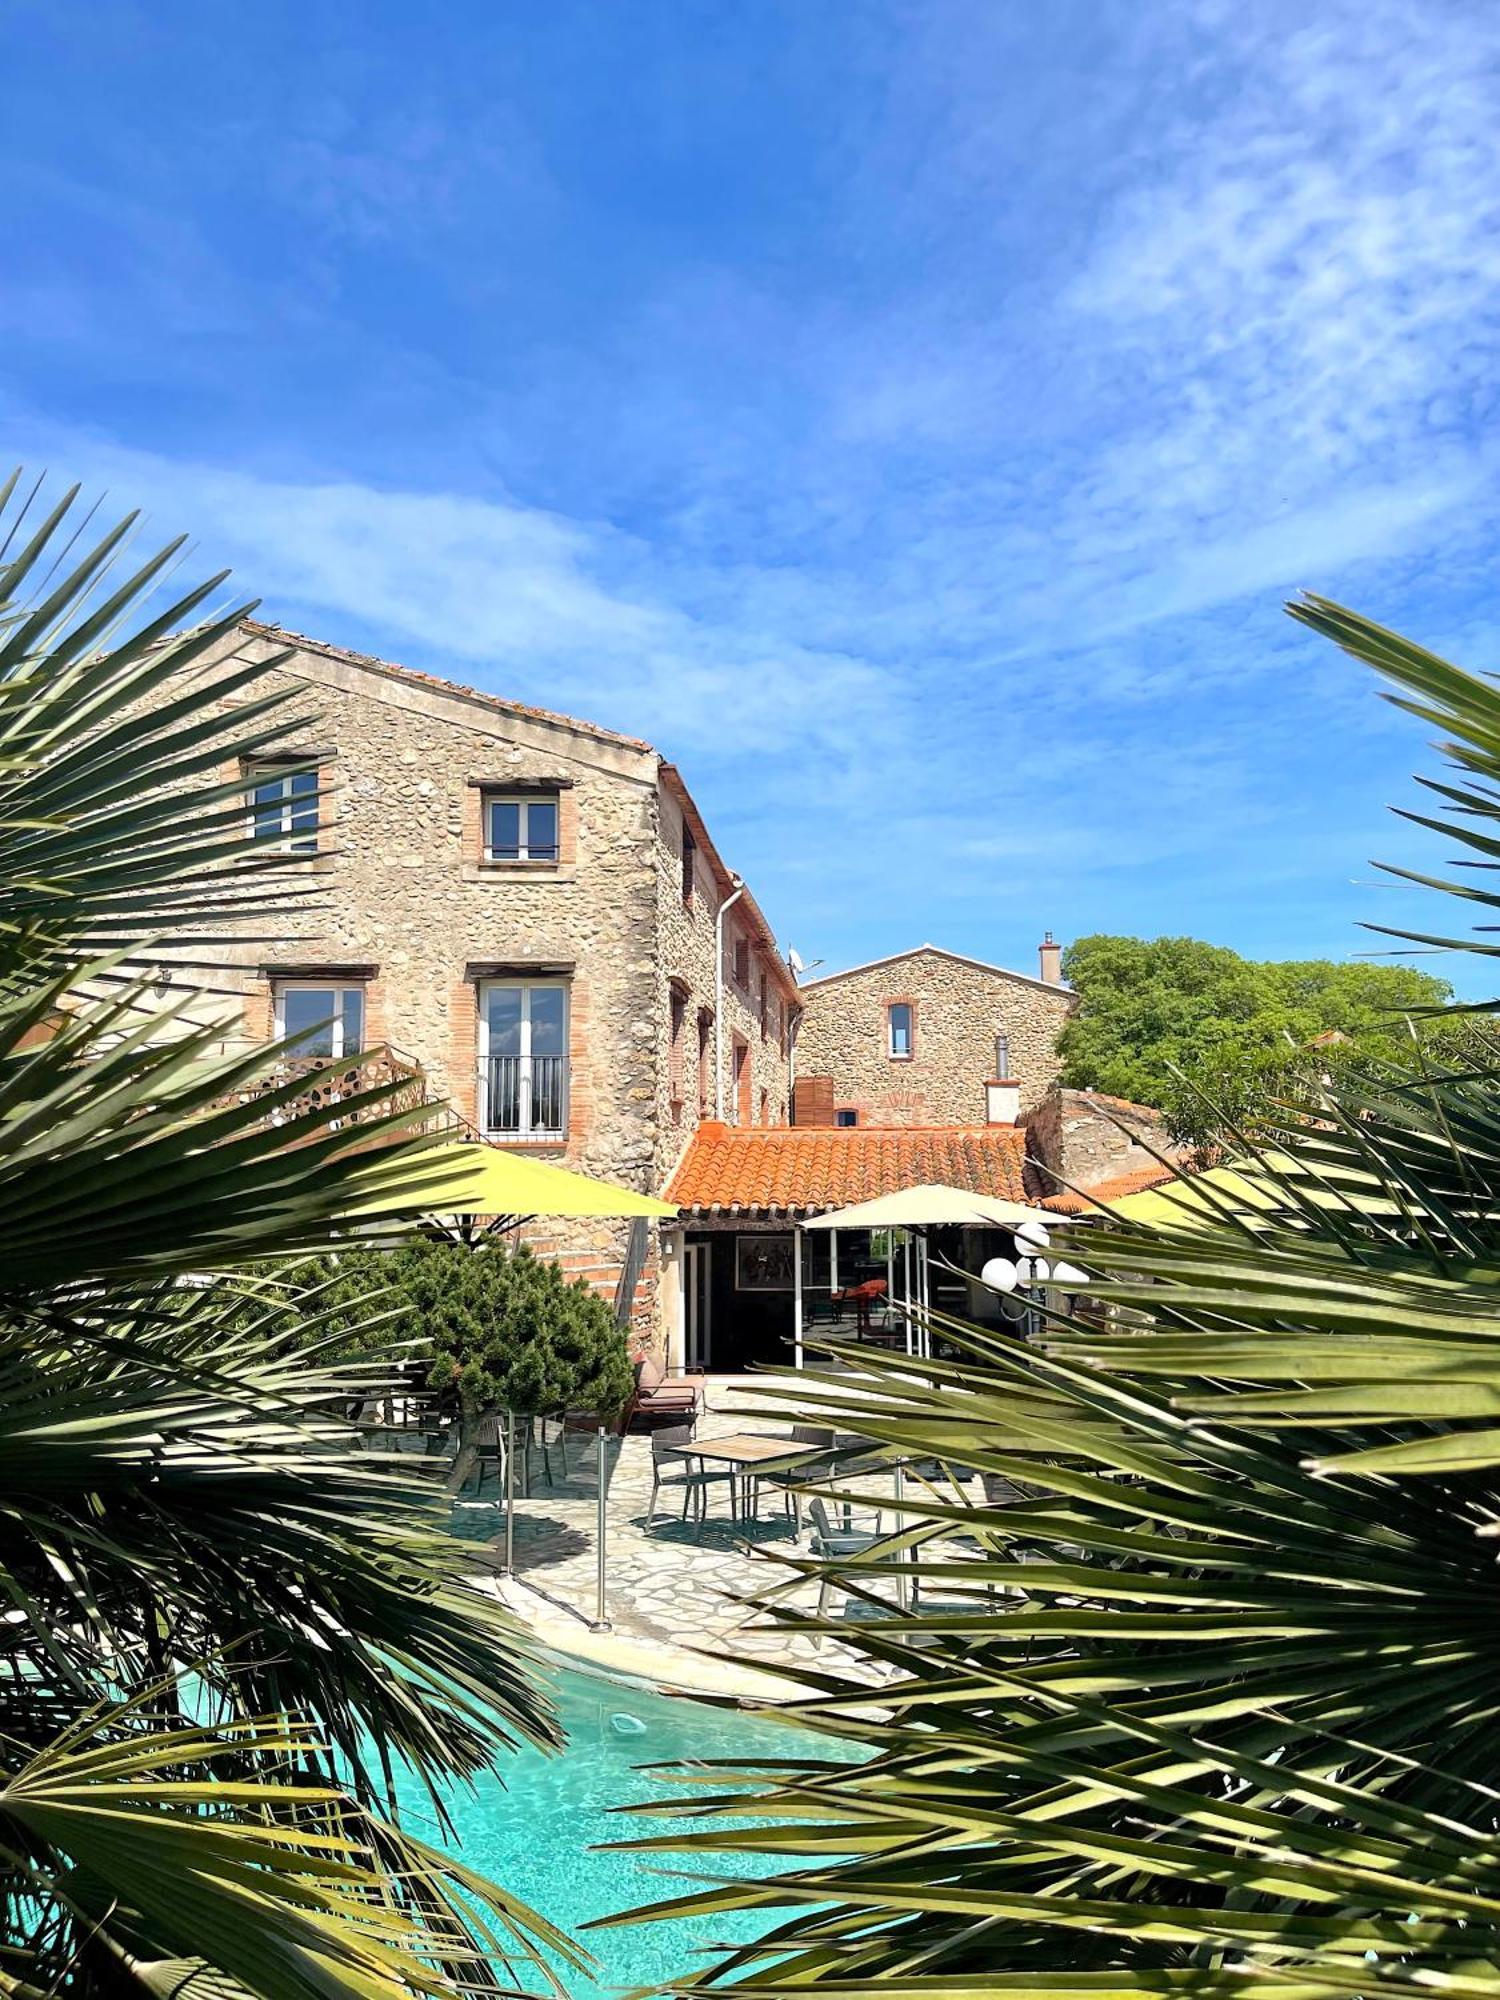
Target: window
<point x="679" y="1004"/>
<point x="284" y="807"/>
<point x="899" y="1029"/>
<point x="765" y="1007"/>
<point x="742" y="1081"/>
<point x="705" y="1062"/>
<point x="1002" y="1058"/>
<point x="689" y="851"/>
<point x="328" y="1019"/>
<point x="846" y="1117"/>
<point x="523" y="1058"/>
<point x="742" y="963"/>
<point x="520" y="829"/>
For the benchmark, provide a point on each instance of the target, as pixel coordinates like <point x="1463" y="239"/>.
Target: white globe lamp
<point x="1000" y="1274"/>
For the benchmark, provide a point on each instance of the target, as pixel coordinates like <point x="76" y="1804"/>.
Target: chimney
<point x="1050" y="955"/>
<point x="1002" y="1101"/>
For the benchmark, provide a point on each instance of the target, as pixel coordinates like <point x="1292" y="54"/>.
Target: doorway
<point x="697" y="1306"/>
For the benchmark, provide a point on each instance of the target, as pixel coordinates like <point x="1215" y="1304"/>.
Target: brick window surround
<point x="705" y="1061"/>
<point x="478" y="794"/>
<point x="741" y="1072"/>
<point x="263" y="1004"/>
<point x="464" y="1079"/>
<point x="677" y="1001"/>
<point x="689" y="861"/>
<point x="900" y="1000"/>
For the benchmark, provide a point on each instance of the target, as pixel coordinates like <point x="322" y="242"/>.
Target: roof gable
<point x="939" y="951"/>
<point x="436" y="684"/>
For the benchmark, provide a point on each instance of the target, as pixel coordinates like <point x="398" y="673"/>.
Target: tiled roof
<point x="1067" y="1202"/>
<point x="809" y="1168"/>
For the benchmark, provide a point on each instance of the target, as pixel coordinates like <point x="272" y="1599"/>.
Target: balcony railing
<point x="333" y="1081"/>
<point x="524" y="1097"/>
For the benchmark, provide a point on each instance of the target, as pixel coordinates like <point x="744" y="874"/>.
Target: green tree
<point x="494" y="1328"/>
<point x="1199" y="1696"/>
<point x="224" y="1627"/>
<point x="1208" y="1037"/>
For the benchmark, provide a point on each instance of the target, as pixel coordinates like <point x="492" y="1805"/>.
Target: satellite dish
<point x="794" y="958"/>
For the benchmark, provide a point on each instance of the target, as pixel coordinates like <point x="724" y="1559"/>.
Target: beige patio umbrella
<point x="926" y="1206"/>
<point x="931" y="1206"/>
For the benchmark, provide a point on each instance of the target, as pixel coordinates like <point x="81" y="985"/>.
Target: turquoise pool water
<point x="533" y="1832"/>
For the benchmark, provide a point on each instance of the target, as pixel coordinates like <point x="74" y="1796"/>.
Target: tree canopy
<point x="1201" y="1032"/>
<point x="494" y="1328"/>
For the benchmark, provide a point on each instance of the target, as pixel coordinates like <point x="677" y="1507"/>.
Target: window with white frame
<point x="327" y="1017"/>
<point x="284" y="807"/>
<point x="521" y="828"/>
<point x="898" y="1016"/>
<point x="523" y="1058"/>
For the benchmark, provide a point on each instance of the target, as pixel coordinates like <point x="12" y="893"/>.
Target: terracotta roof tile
<point x="1070" y="1202"/>
<point x="777" y="1168"/>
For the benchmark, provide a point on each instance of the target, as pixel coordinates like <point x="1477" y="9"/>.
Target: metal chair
<point x="830" y="1544"/>
<point x="666" y="1453"/>
<point x="817" y="1441"/>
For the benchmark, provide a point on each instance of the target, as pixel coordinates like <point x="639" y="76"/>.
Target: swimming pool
<point x="532" y="1829"/>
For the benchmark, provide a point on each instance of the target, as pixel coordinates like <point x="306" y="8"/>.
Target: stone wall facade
<point x="737" y="1014"/>
<point x="408" y="909"/>
<point x="959" y="1006"/>
<point x="1083" y="1137"/>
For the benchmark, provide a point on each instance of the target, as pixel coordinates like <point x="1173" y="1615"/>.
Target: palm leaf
<point x="1198" y="1686"/>
<point x="179" y="1483"/>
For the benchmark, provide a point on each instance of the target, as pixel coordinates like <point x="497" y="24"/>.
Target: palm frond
<point x="1191" y="1682"/>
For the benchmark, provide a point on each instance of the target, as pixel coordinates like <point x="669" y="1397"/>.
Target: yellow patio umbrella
<point x="1248" y="1189"/>
<point x="486" y="1180"/>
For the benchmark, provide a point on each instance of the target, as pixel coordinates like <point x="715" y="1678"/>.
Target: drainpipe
<point x="721" y="988"/>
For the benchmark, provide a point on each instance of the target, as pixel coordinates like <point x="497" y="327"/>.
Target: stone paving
<point x="670" y="1582"/>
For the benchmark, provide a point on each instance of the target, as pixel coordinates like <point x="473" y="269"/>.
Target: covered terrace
<point x="742" y="1263"/>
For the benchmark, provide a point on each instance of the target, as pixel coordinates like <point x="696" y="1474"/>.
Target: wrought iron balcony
<point x="523" y="1097"/>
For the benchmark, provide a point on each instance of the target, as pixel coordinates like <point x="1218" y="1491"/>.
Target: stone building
<point x="929" y="1037"/>
<point x="1086" y="1147"/>
<point x="520" y="908"/>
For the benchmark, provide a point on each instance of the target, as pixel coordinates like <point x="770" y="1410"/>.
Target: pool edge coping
<point x="653" y="1663"/>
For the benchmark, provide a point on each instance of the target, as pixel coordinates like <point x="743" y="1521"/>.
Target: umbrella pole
<point x="510" y="1493"/>
<point x="797" y="1242"/>
<point x="924" y="1325"/>
<point x="601" y="1527"/>
<point x="906" y="1286"/>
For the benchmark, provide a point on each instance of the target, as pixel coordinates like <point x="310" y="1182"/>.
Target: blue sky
<point x="908" y="416"/>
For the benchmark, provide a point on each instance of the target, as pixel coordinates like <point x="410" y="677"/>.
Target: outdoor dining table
<point x="746" y="1453"/>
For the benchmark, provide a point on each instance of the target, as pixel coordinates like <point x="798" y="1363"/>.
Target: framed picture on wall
<point x="764" y="1263"/>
